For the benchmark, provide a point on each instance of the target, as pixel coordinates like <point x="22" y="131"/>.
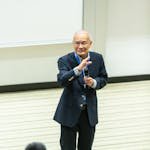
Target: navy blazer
<point x="68" y="109"/>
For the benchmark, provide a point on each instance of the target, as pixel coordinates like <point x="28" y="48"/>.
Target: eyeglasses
<point x="80" y="42"/>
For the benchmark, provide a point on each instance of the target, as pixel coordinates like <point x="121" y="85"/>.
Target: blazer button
<point x="81" y="105"/>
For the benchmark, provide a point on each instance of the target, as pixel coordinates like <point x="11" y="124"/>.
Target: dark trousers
<point x="85" y="134"/>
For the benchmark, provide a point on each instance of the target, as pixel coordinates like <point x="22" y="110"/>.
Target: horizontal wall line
<point x="49" y="85"/>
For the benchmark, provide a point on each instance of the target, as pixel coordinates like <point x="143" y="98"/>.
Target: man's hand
<point x="89" y="81"/>
<point x="85" y="62"/>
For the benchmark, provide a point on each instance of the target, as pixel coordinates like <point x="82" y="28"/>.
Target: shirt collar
<point x="77" y="56"/>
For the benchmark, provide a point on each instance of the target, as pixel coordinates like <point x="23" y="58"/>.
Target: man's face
<point x="82" y="43"/>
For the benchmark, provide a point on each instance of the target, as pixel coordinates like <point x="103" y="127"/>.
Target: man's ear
<point x="91" y="42"/>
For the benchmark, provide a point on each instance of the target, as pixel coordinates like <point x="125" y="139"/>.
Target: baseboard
<point x="128" y="78"/>
<point x="49" y="85"/>
<point x="29" y="86"/>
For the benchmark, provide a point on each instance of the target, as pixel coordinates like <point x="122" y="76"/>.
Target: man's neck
<point x="83" y="57"/>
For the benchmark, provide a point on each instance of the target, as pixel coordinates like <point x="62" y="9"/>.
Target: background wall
<point x="128" y="37"/>
<point x="30" y="22"/>
<point x="32" y="64"/>
<point x="120" y="30"/>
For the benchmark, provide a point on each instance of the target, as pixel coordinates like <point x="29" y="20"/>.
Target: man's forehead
<point x="81" y="37"/>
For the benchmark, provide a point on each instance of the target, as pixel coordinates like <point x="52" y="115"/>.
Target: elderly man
<point x="81" y="73"/>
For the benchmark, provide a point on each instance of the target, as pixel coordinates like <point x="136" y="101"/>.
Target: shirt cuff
<point x="76" y="71"/>
<point x="94" y="84"/>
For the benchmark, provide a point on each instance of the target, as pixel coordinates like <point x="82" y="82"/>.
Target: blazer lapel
<point x="91" y="67"/>
<point x="72" y="60"/>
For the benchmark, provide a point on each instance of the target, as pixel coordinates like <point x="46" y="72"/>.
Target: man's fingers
<point x="89" y="62"/>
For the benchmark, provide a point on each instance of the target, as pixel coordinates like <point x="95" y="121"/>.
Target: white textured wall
<point x="123" y="108"/>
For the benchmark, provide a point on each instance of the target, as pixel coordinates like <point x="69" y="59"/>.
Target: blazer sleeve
<point x="66" y="74"/>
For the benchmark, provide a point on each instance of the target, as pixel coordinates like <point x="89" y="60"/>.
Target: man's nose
<point x="80" y="45"/>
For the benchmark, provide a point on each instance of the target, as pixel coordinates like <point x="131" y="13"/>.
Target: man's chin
<point x="83" y="55"/>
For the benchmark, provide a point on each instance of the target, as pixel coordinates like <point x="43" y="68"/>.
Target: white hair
<point x="83" y="32"/>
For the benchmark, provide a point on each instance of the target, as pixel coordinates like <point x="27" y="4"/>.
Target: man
<point x="81" y="73"/>
<point x="35" y="146"/>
